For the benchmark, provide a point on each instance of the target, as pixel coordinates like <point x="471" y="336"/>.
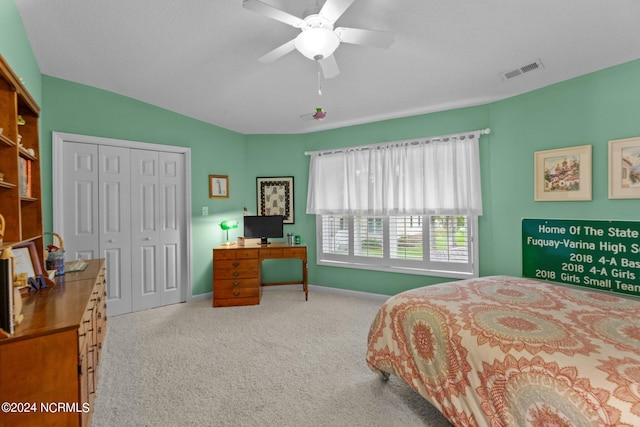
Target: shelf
<point x="24" y="153"/>
<point x="6" y="141"/>
<point x="22" y="215"/>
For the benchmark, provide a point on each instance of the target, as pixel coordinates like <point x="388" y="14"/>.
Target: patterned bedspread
<point x="507" y="351"/>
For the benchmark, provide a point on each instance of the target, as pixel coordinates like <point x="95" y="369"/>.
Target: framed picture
<point x="275" y="197"/>
<point x="26" y="259"/>
<point x="624" y="168"/>
<point x="563" y="174"/>
<point x="218" y="186"/>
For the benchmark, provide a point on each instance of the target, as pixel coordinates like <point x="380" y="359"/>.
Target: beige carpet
<point x="286" y="362"/>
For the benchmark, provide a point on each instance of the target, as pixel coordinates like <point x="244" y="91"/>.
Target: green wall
<point x="16" y="49"/>
<point x="591" y="109"/>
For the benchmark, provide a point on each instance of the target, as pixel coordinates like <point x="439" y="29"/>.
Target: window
<point x="406" y="206"/>
<point x="439" y="245"/>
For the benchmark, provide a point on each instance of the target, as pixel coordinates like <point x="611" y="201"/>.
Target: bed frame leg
<point x="384" y="376"/>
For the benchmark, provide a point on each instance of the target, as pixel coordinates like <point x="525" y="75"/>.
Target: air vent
<point x="535" y="65"/>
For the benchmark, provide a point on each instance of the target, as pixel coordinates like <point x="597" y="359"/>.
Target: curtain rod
<point x="485" y="131"/>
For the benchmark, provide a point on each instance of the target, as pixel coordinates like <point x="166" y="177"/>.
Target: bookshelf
<point x="20" y="186"/>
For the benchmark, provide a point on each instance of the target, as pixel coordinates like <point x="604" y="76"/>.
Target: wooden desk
<point x="236" y="271"/>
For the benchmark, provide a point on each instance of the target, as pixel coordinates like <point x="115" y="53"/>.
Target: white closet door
<point x="127" y="202"/>
<point x="145" y="230"/>
<point x="115" y="226"/>
<point x="172" y="227"/>
<point x="158" y="228"/>
<point x="80" y="199"/>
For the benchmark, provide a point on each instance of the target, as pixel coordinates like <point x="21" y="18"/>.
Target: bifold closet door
<point x="157" y="218"/>
<point x="80" y="193"/>
<point x="96" y="220"/>
<point x="114" y="219"/>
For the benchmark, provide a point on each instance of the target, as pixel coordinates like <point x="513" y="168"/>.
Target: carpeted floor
<point x="286" y="362"/>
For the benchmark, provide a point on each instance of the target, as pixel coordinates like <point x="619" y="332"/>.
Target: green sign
<point x="595" y="254"/>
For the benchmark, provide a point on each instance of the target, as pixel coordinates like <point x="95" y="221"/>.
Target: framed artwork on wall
<point x="563" y="174"/>
<point x="275" y="197"/>
<point x="218" y="186"/>
<point x="624" y="168"/>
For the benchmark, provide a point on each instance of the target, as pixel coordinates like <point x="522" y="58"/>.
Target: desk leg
<point x="305" y="280"/>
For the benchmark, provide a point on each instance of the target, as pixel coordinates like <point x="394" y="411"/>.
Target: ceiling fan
<point x="318" y="38"/>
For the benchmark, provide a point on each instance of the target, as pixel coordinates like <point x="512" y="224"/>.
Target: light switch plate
<point x="205" y="210"/>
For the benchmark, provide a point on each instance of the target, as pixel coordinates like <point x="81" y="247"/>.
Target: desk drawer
<point x="232" y="269"/>
<point x="240" y="288"/>
<point x="271" y="253"/>
<point x="222" y="254"/>
<point x="296" y="252"/>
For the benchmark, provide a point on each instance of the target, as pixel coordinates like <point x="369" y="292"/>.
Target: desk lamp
<point x="228" y="225"/>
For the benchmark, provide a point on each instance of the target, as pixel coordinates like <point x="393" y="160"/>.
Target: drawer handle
<point x="235" y="264"/>
<point x="236" y="283"/>
<point x="236" y="294"/>
<point x="236" y="273"/>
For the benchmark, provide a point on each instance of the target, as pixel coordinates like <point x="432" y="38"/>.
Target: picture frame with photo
<point x="26" y="259"/>
<point x="218" y="186"/>
<point x="624" y="168"/>
<point x="563" y="174"/>
<point x="275" y="197"/>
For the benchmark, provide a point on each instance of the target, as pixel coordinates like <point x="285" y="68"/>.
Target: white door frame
<point x="59" y="138"/>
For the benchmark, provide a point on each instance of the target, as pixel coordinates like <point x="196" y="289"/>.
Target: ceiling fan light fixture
<point x="317" y="43"/>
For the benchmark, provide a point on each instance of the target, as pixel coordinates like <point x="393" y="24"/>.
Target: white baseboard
<point x="348" y="292"/>
<point x="312" y="288"/>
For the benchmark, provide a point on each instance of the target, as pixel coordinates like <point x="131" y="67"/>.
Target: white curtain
<point x="436" y="176"/>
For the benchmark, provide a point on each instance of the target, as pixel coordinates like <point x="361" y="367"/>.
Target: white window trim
<point x="382" y="264"/>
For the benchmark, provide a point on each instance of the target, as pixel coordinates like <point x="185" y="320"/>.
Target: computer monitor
<point x="264" y="227"/>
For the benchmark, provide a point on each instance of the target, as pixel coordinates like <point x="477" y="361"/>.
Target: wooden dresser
<point x="49" y="367"/>
<point x="236" y="271"/>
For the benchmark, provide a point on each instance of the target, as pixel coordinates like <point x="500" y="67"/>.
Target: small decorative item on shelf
<point x="1" y="176"/>
<point x="55" y="258"/>
<point x="21" y="121"/>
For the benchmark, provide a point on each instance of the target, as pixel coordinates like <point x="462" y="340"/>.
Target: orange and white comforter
<point x="507" y="351"/>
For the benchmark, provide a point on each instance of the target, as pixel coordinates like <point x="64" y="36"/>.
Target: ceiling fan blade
<point x="381" y="39"/>
<point x="333" y="9"/>
<point x="273" y="13"/>
<point x="278" y="52"/>
<point x="329" y="67"/>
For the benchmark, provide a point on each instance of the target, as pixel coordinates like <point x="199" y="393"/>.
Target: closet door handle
<point x="147" y="239"/>
<point x="110" y="241"/>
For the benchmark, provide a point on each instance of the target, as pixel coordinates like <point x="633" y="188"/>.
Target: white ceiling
<point x="200" y="57"/>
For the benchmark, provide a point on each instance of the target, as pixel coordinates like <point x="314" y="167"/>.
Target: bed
<point x="508" y="351"/>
